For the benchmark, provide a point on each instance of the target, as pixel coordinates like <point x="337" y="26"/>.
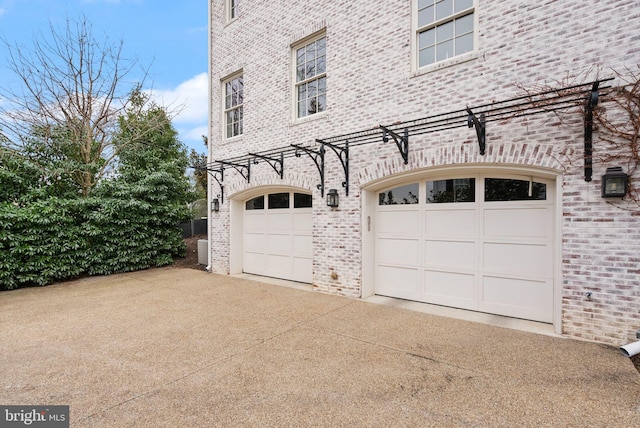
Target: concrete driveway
<point x="183" y="348"/>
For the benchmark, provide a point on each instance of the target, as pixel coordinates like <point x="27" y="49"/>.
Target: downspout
<point x="209" y="136"/>
<point x="632" y="349"/>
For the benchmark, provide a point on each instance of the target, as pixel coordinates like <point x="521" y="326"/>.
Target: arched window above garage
<point x="401" y="195"/>
<point x="452" y="190"/>
<point x="256" y="203"/>
<point x="507" y="189"/>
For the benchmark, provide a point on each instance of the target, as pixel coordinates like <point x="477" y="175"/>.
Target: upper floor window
<point x="311" y="77"/>
<point x="232" y="9"/>
<point x="233" y="101"/>
<point x="445" y="29"/>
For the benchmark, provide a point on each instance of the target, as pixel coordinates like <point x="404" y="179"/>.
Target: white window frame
<point x="316" y="77"/>
<point x="456" y="58"/>
<point x="232" y="9"/>
<point x="226" y="109"/>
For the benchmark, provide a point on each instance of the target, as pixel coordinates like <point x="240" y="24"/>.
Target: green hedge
<point x="41" y="242"/>
<point x="121" y="228"/>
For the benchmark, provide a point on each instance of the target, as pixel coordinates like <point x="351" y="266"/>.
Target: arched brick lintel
<point x="546" y="156"/>
<point x="237" y="186"/>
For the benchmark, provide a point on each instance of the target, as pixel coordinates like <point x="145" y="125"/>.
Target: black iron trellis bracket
<point x="318" y="158"/>
<point x="590" y="104"/>
<point x="276" y="164"/>
<point x="481" y="127"/>
<point x="246" y="174"/>
<point x="402" y="141"/>
<point x="214" y="173"/>
<point x="343" y="155"/>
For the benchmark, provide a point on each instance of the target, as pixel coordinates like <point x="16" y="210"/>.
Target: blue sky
<point x="167" y="36"/>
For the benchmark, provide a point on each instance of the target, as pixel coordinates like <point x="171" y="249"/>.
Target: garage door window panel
<point x="450" y="191"/>
<point x="402" y="195"/>
<point x="278" y="201"/>
<point x="301" y="200"/>
<point x="255" y="203"/>
<point x="506" y="189"/>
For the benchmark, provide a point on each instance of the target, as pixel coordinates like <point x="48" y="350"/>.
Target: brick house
<point x="462" y="180"/>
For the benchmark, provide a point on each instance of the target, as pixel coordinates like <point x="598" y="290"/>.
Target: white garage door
<point x="483" y="243"/>
<point x="277" y="236"/>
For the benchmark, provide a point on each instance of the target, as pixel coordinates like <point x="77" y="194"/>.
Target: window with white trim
<point x="444" y="29"/>
<point x="232" y="9"/>
<point x="233" y="102"/>
<point x="311" y="77"/>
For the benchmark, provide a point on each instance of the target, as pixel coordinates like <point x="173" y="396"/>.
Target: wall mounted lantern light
<point x="614" y="183"/>
<point x="332" y="198"/>
<point x="215" y="205"/>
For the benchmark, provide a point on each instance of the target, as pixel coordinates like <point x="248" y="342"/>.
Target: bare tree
<point x="616" y="119"/>
<point x="618" y="125"/>
<point x="71" y="91"/>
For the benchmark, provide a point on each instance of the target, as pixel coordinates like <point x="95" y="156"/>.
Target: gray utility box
<point x="203" y="253"/>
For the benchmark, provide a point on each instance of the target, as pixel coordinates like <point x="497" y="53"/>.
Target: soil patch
<point x="191" y="256"/>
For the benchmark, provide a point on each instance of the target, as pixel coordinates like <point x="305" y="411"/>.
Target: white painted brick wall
<point x="371" y="82"/>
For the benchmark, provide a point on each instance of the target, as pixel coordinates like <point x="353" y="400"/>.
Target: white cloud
<point x="195" y="133"/>
<point x="189" y="102"/>
<point x="190" y="99"/>
<point x="5" y="6"/>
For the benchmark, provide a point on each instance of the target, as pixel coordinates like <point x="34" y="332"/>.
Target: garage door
<point x="277" y="236"/>
<point x="483" y="243"/>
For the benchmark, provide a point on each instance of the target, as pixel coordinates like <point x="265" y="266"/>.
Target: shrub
<point x="123" y="227"/>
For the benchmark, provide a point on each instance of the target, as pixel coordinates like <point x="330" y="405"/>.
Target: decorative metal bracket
<point x="343" y="155"/>
<point x="402" y="141"/>
<point x="276" y="164"/>
<point x="590" y="104"/>
<point x="480" y="125"/>
<point x="214" y="173"/>
<point x="239" y="167"/>
<point x="318" y="158"/>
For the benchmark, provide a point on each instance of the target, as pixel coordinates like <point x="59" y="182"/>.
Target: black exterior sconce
<point x="614" y="183"/>
<point x="332" y="198"/>
<point x="215" y="205"/>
